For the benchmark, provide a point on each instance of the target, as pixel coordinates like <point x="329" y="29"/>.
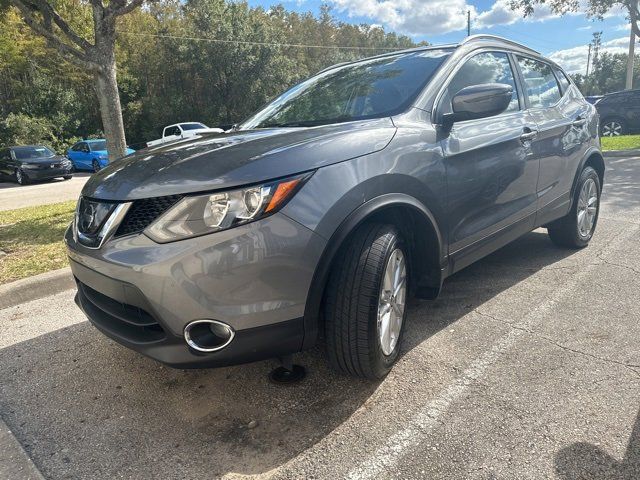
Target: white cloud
<point x="501" y="13"/>
<point x="412" y="17"/>
<point x="574" y="60"/>
<point x="434" y="17"/>
<point x="586" y="27"/>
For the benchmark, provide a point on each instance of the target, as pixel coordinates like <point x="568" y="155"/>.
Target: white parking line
<point x="427" y="417"/>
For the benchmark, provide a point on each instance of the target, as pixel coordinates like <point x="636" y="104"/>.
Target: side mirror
<point x="479" y="101"/>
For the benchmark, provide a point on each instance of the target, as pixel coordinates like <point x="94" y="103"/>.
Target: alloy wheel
<point x="19" y="176"/>
<point x="612" y="129"/>
<point x="96" y="166"/>
<point x="392" y="300"/>
<point x="587" y="207"/>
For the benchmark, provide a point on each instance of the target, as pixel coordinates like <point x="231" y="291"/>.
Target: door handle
<point x="528" y="135"/>
<point x="579" y="122"/>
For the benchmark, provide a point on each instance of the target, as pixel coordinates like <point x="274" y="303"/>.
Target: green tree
<point x="95" y="55"/>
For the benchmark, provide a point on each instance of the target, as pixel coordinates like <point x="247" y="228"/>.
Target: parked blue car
<point x="90" y="155"/>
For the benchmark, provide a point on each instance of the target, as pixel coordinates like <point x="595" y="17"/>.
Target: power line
<point x="263" y="44"/>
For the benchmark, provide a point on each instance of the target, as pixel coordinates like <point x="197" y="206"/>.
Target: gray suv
<point x="319" y="216"/>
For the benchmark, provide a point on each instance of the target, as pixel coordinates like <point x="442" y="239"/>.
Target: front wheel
<point x="365" y="307"/>
<point x="577" y="227"/>
<point x="96" y="165"/>
<point x="20" y="178"/>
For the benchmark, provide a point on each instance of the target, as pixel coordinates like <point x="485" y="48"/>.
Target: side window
<point x="5" y="154"/>
<point x="84" y="147"/>
<point x="563" y="80"/>
<point x="77" y="147"/>
<point x="540" y="83"/>
<point x="492" y="67"/>
<point x="172" y="131"/>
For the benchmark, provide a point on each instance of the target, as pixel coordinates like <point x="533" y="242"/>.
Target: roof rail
<point x="484" y="36"/>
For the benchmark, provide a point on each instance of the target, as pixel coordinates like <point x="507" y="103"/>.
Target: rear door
<point x="491" y="172"/>
<point x="561" y="115"/>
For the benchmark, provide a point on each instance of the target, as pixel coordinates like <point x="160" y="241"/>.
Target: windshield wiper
<point x="307" y="123"/>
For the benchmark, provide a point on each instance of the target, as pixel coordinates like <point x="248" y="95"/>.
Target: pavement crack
<point x="629" y="366"/>
<point x="613" y="264"/>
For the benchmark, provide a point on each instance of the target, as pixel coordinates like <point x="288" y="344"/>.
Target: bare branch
<point x="127" y="7"/>
<point x="49" y="13"/>
<point x="79" y="57"/>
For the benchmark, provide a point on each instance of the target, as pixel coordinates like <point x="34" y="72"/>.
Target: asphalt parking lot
<point x="527" y="367"/>
<point x="13" y="195"/>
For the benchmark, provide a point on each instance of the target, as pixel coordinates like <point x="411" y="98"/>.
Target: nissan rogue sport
<point x="323" y="212"/>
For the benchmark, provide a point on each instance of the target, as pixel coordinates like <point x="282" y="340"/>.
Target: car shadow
<point x="585" y="461"/>
<point x="4" y="184"/>
<point x="83" y="406"/>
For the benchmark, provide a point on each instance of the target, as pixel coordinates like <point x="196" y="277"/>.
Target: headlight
<point x="198" y="215"/>
<point x="66" y="162"/>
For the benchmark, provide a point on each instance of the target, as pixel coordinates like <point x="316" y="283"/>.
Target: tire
<point x="355" y="296"/>
<point x="576" y="229"/>
<point x="613" y="127"/>
<point x="96" y="165"/>
<point x="67" y="177"/>
<point x="20" y="178"/>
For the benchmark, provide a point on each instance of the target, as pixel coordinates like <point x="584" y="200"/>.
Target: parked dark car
<point x="619" y="113"/>
<point x="322" y="213"/>
<point x="33" y="162"/>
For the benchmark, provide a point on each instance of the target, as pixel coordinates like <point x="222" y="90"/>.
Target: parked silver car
<point x="322" y="213"/>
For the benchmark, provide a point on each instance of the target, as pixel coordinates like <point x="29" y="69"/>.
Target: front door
<point x="491" y="170"/>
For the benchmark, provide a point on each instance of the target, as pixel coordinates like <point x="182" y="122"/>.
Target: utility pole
<point x="632" y="42"/>
<point x="468" y="23"/>
<point x="588" y="60"/>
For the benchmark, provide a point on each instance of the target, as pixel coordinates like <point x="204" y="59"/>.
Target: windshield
<point x="371" y="88"/>
<point x="192" y="126"/>
<point x="25" y="153"/>
<point x="98" y="145"/>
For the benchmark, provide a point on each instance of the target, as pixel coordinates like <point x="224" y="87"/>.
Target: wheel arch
<point x="592" y="158"/>
<point x="419" y="228"/>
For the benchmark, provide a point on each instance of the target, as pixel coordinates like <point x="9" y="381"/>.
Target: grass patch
<point x="623" y="142"/>
<point x="31" y="239"/>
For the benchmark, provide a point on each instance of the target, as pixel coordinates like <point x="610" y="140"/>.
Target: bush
<point x="22" y="129"/>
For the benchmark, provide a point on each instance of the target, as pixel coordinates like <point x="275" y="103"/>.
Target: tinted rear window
<point x="540" y="82"/>
<point x="99" y="145"/>
<point x="192" y="126"/>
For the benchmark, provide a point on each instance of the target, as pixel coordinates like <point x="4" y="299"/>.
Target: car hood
<point x="219" y="161"/>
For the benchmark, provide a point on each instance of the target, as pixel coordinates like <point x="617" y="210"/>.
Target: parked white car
<point x="182" y="130"/>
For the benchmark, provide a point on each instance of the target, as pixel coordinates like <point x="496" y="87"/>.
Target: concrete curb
<point x="622" y="153"/>
<point x="35" y="287"/>
<point x="14" y="461"/>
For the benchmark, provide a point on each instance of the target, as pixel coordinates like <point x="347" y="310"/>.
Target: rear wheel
<point x="577" y="227"/>
<point x="612" y="127"/>
<point x="365" y="308"/>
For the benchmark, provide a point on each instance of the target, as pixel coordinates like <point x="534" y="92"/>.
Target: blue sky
<point x="564" y="38"/>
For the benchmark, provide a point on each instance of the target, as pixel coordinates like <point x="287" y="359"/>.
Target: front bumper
<point x="255" y="278"/>
<point x="46" y="173"/>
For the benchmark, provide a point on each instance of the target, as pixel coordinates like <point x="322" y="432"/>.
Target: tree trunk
<point x="111" y="111"/>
